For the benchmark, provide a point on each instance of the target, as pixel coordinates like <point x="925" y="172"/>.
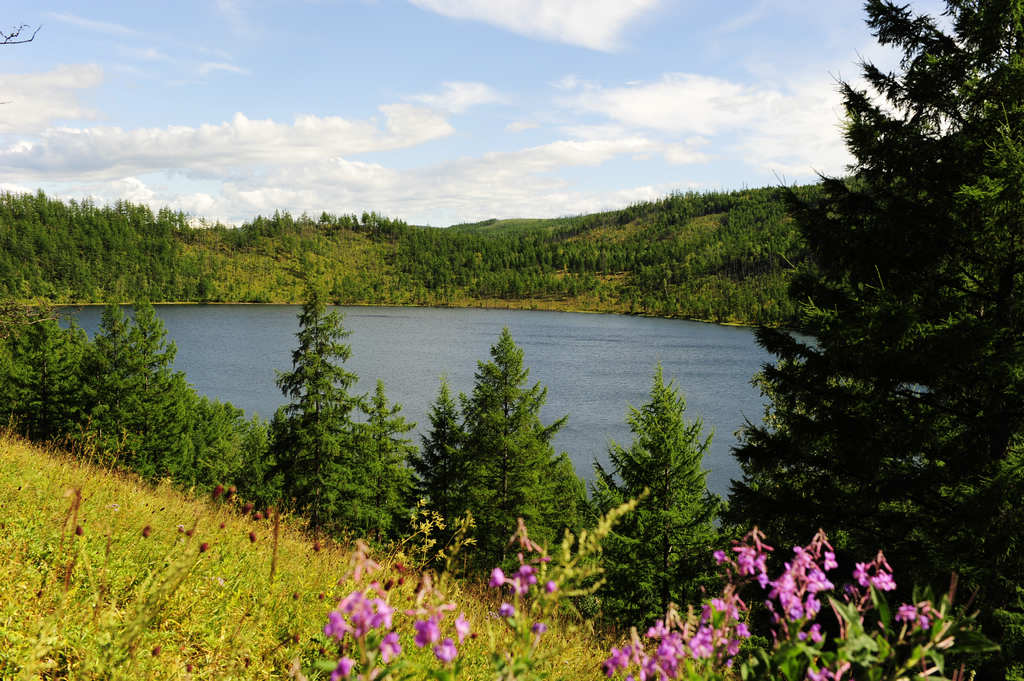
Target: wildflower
<point x="343" y="669"/>
<point x="497" y="578"/>
<point x="619" y="659"/>
<point x="146" y="531"/>
<point x="701" y="644"/>
<point x="539" y="628"/>
<point x="445" y="651"/>
<point x="506" y="610"/>
<point x="217" y="491"/>
<point x="550" y="587"/>
<point x="390" y="648"/>
<point x="461" y="626"/>
<point x="427" y="631"/>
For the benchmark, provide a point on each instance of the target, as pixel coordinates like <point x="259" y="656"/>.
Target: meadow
<point x="106" y="576"/>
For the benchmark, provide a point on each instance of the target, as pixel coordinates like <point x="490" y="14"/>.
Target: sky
<point x="432" y="111"/>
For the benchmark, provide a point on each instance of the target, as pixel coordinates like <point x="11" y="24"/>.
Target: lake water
<point x="593" y="365"/>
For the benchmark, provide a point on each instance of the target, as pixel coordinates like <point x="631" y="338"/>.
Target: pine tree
<point x="383" y="451"/>
<point x="899" y="424"/>
<point x="508" y="451"/>
<point x="439" y="466"/>
<point x="312" y="438"/>
<point x="661" y="553"/>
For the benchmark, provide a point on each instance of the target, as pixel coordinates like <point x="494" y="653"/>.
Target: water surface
<point x="593" y="365"/>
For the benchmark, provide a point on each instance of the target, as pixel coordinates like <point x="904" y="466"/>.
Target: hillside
<point x="718" y="256"/>
<point x="127" y="580"/>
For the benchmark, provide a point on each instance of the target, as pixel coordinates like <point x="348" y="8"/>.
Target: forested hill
<point x="715" y="256"/>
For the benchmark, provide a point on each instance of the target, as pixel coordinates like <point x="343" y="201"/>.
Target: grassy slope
<point x="119" y="616"/>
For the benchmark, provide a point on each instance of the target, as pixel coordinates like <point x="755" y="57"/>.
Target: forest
<point x="724" y="256"/>
<point x="893" y="434"/>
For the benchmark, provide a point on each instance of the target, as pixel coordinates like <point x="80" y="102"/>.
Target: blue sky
<point x="433" y="111"/>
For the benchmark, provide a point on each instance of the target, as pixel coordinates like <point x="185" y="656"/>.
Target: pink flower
<point x="497" y="578"/>
<point x="461" y="626"/>
<point x="390" y="648"/>
<point x="343" y="669"/>
<point x="427" y="631"/>
<point x="446" y="651"/>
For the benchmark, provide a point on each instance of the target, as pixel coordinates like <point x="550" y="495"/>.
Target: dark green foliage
<point x="719" y="256"/>
<point x="116" y="397"/>
<point x="439" y="466"/>
<point x="508" y="454"/>
<point x="900" y="424"/>
<point x="661" y="553"/>
<point x="134" y="402"/>
<point x="383" y="451"/>
<point x="43" y="374"/>
<point x="312" y="438"/>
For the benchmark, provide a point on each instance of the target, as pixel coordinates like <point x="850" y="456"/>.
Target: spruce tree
<point x="439" y="466"/>
<point x="661" y="553"/>
<point x="383" y="451"/>
<point x="134" y="403"/>
<point x="508" y="451"/>
<point x="897" y="422"/>
<point x="311" y="438"/>
<point x="43" y="379"/>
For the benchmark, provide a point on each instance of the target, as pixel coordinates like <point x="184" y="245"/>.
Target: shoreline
<point x="530" y="305"/>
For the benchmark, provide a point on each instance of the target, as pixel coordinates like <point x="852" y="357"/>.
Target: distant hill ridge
<point x="717" y="256"/>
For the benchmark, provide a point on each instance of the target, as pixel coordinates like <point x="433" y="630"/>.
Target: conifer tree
<point x="439" y="466"/>
<point x="312" y="438"/>
<point x="133" y="400"/>
<point x="42" y="381"/>
<point x="383" y="451"/>
<point x="508" y="451"/>
<point x="661" y="553"/>
<point x="899" y="423"/>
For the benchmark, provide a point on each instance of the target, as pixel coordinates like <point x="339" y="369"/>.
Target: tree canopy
<point x="899" y="422"/>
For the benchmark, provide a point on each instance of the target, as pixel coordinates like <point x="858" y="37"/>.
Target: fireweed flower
<point x="445" y="651"/>
<point x="343" y="669"/>
<point x="497" y="578"/>
<point x="539" y="628"/>
<point x="461" y="627"/>
<point x="550" y="587"/>
<point x="506" y="610"/>
<point x="390" y="648"/>
<point x="427" y="631"/>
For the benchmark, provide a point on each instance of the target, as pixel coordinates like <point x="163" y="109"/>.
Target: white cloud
<point x="457" y="97"/>
<point x="33" y="101"/>
<point x="209" y="67"/>
<point x="60" y="154"/>
<point x="92" y="25"/>
<point x="520" y="126"/>
<point x="596" y="24"/>
<point x="792" y="129"/>
<point x="517" y="183"/>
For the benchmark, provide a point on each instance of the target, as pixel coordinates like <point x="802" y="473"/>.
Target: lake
<point x="593" y="365"/>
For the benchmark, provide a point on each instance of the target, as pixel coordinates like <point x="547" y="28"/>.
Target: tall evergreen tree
<point x="312" y="438"/>
<point x="661" y="553"/>
<point x="133" y="400"/>
<point x="43" y="379"/>
<point x="439" y="465"/>
<point x="508" y="451"/>
<point x="383" y="451"/>
<point x="899" y="423"/>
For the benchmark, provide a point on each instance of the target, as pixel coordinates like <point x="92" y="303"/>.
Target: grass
<point x="104" y="576"/>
